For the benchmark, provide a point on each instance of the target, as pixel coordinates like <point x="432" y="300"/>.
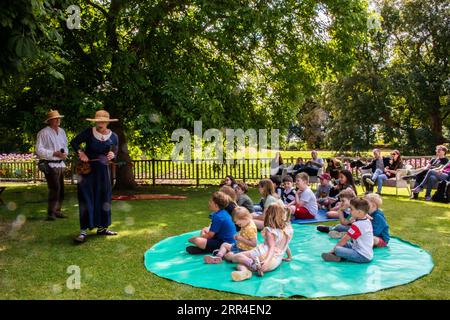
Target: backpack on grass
<point x="442" y="193"/>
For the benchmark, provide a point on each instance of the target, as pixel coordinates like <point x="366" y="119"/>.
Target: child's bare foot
<point x="212" y="259"/>
<point x="241" y="275"/>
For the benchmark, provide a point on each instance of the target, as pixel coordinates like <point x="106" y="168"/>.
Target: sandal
<point x="106" y="232"/>
<point x="80" y="239"/>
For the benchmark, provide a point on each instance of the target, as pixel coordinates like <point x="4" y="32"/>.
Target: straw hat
<point x="53" y="114"/>
<point x="102" y="116"/>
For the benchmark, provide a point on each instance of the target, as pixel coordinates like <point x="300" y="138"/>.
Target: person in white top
<point x="52" y="150"/>
<point x="357" y="244"/>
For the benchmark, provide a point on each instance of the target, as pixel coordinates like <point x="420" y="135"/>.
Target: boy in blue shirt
<point x="222" y="228"/>
<point x="379" y="224"/>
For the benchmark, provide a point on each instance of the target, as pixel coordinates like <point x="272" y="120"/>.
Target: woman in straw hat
<point x="94" y="187"/>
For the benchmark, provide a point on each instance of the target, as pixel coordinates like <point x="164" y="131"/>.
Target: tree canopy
<point x="160" y="65"/>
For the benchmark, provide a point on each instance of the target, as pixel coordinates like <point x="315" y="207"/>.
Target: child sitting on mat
<point x="305" y="204"/>
<point x="288" y="194"/>
<point x="243" y="200"/>
<point x="323" y="191"/>
<point x="246" y="239"/>
<point x="379" y="224"/>
<point x="267" y="190"/>
<point x="343" y="212"/>
<point x="276" y="180"/>
<point x="360" y="247"/>
<point x="229" y="191"/>
<point x="222" y="228"/>
<point x="267" y="256"/>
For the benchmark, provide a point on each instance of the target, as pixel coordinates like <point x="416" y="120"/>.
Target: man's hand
<point x="60" y="155"/>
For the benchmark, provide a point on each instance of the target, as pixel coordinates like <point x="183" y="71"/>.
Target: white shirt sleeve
<point x="66" y="147"/>
<point x="41" y="151"/>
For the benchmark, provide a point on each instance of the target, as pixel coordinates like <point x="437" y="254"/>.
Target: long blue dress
<point x="94" y="189"/>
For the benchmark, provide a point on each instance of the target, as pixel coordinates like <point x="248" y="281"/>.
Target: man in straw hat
<point x="51" y="148"/>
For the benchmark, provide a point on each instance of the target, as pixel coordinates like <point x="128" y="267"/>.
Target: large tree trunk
<point x="436" y="122"/>
<point x="124" y="170"/>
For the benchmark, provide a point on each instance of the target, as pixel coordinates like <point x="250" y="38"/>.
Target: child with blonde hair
<point x="246" y="239"/>
<point x="305" y="204"/>
<point x="229" y="191"/>
<point x="379" y="224"/>
<point x="267" y="256"/>
<point x="347" y="193"/>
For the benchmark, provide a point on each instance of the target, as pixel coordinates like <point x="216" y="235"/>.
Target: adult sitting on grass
<point x="222" y="228"/>
<point x="378" y="165"/>
<point x="436" y="163"/>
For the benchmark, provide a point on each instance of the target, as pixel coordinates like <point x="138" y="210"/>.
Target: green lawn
<point x="34" y="255"/>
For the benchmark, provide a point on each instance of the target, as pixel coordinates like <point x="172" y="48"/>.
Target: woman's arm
<point x="82" y="137"/>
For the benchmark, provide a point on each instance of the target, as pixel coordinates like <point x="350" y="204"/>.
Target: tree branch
<point x="98" y="7"/>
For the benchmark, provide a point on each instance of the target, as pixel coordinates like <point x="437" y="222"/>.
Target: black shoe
<point x="51" y="218"/>
<point x="60" y="216"/>
<point x="324" y="229"/>
<point x="194" y="250"/>
<point x="106" y="232"/>
<point x="80" y="239"/>
<point x="414" y="196"/>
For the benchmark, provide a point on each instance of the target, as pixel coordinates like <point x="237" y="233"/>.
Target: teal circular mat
<point x="306" y="275"/>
